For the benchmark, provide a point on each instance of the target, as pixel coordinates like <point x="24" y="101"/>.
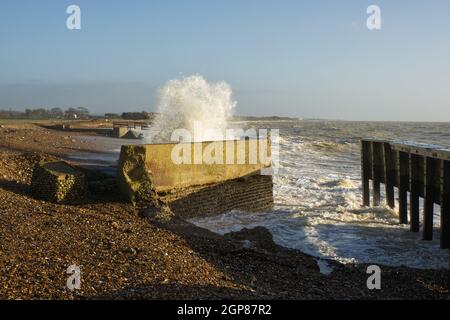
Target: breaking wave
<point x="192" y="102"/>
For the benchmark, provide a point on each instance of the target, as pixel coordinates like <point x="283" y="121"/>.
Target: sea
<point x="318" y="196"/>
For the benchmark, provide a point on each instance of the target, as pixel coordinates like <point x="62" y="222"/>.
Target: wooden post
<point x="431" y="194"/>
<point x="389" y="174"/>
<point x="366" y="170"/>
<point x="378" y="171"/>
<point x="404" y="186"/>
<point x="445" y="205"/>
<point x="416" y="189"/>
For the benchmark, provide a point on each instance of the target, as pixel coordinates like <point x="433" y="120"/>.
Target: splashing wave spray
<point x="192" y="100"/>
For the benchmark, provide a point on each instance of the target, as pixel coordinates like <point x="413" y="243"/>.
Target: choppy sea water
<point x="318" y="196"/>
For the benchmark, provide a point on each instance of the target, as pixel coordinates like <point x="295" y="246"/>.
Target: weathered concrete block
<point x="252" y="194"/>
<point x="133" y="175"/>
<point x="146" y="170"/>
<point x="132" y="134"/>
<point x="119" y="132"/>
<point x="58" y="181"/>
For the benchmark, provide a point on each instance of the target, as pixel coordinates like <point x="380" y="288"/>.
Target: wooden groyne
<point x="131" y="124"/>
<point x="423" y="172"/>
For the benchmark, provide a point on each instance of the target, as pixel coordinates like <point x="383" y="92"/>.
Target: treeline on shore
<point x="43" y="113"/>
<point x="131" y="115"/>
<point x="71" y="113"/>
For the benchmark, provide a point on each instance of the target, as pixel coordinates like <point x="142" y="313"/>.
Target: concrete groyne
<point x="203" y="178"/>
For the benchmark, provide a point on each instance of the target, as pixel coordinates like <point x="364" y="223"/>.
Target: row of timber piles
<point x="417" y="171"/>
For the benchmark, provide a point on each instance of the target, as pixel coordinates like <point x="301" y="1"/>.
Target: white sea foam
<point x="192" y="100"/>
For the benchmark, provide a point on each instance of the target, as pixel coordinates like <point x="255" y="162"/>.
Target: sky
<point x="309" y="59"/>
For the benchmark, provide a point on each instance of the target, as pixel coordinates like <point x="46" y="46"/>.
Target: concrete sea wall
<point x="198" y="178"/>
<point x="252" y="194"/>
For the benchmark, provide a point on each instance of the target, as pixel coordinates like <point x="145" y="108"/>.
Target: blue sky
<point x="290" y="58"/>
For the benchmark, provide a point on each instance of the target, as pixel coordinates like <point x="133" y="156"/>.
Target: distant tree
<point x="112" y="115"/>
<point x="136" y="115"/>
<point x="39" y="113"/>
<point x="10" y="114"/>
<point x="56" y="113"/>
<point x="71" y="113"/>
<point x="83" y="113"/>
<point x="77" y="113"/>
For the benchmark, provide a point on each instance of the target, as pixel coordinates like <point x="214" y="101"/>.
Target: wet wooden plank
<point x="443" y="154"/>
<point x="445" y="205"/>
<point x="366" y="170"/>
<point x="395" y="167"/>
<point x="416" y="189"/>
<point x="389" y="174"/>
<point x="404" y="187"/>
<point x="378" y="171"/>
<point x="432" y="195"/>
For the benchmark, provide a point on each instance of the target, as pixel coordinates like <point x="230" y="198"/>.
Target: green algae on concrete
<point x="133" y="176"/>
<point x="146" y="170"/>
<point x="58" y="181"/>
